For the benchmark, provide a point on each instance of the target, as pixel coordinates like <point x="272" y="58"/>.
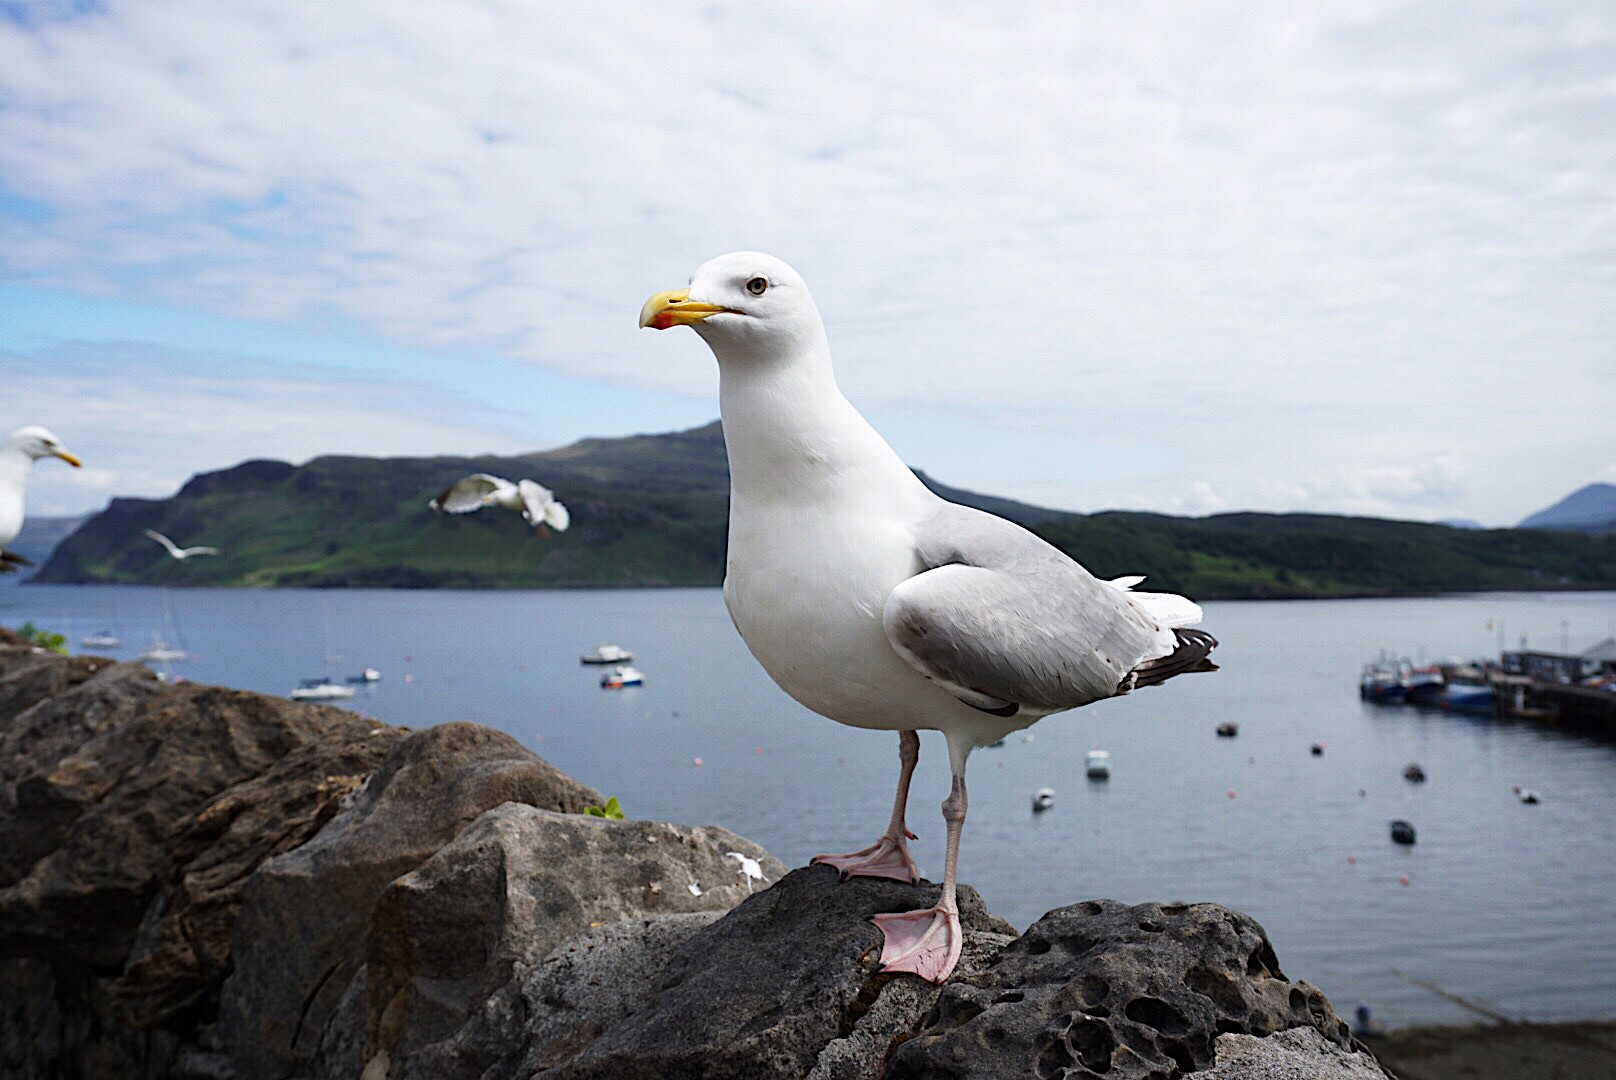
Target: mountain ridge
<point x="1590" y="509"/>
<point x="652" y="510"/>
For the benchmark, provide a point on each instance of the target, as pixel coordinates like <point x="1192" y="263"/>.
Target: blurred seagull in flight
<point x="177" y="551"/>
<point x="537" y="503"/>
<point x="877" y="603"/>
<point x="25" y="446"/>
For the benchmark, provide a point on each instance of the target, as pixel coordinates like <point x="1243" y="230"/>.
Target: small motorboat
<point x="106" y="639"/>
<point x="1228" y="729"/>
<point x="321" y="689"/>
<point x="1097" y="764"/>
<point x="1043" y="799"/>
<point x="1413" y="773"/>
<point x="369" y="675"/>
<point x="1526" y="795"/>
<point x="1402" y="832"/>
<point x="607" y="654"/>
<point x="620" y="676"/>
<point x="1317" y="749"/>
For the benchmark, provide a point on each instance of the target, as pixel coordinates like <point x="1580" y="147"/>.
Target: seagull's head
<point x="746" y="302"/>
<point x="36" y="442"/>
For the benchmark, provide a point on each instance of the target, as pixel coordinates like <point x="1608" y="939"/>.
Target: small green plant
<point x="610" y="810"/>
<point x="46" y="639"/>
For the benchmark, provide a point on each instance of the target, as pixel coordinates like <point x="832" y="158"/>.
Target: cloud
<point x="1229" y="227"/>
<point x="145" y="420"/>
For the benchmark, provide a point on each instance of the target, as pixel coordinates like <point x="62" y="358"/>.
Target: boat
<point x="1097" y="764"/>
<point x="1423" y="685"/>
<point x="1043" y="799"/>
<point x="1467" y="697"/>
<point x="620" y="676"/>
<point x="1228" y="729"/>
<point x="1402" y="832"/>
<point x="161" y="652"/>
<point x="1413" y="773"/>
<point x="104" y="639"/>
<point x="607" y="654"/>
<point x="369" y="675"/>
<point x="1381" y="685"/>
<point x="321" y="689"/>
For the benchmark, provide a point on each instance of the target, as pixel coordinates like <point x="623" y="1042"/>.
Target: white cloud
<point x="1301" y="246"/>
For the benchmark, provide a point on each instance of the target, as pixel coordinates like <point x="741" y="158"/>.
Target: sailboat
<point x="326" y="687"/>
<point x="161" y="651"/>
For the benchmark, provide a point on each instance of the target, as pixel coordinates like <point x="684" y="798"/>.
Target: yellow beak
<point x="668" y="309"/>
<point x="69" y="458"/>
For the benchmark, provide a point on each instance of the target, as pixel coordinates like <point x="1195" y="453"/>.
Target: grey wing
<point x="1006" y="622"/>
<point x="473" y="493"/>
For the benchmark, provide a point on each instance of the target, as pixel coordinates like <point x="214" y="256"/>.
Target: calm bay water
<point x="1506" y="904"/>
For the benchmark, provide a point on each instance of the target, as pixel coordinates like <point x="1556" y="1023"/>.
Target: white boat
<point x="106" y="639"/>
<point x="1097" y="764"/>
<point x="369" y="675"/>
<point x="1043" y="799"/>
<point x="620" y="676"/>
<point x="607" y="654"/>
<point x="161" y="652"/>
<point x="321" y="689"/>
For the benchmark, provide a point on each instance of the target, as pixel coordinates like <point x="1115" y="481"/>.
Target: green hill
<point x="651" y="510"/>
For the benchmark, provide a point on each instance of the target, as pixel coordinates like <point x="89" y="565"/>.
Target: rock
<point x="513" y="886"/>
<point x="1104" y="989"/>
<point x="1295" y="1054"/>
<point x="764" y="990"/>
<point x="133" y="812"/>
<point x="299" y="942"/>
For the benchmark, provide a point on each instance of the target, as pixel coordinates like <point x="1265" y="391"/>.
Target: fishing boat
<point x="1423" y="685"/>
<point x="620" y="676"/>
<point x="1467" y="697"/>
<point x="1381" y="685"/>
<point x="607" y="654"/>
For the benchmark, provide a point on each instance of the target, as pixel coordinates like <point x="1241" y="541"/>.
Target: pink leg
<point x="888" y="857"/>
<point x="928" y="942"/>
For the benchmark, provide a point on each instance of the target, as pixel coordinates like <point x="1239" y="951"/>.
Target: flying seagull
<point x="25" y="446"/>
<point x="536" y="502"/>
<point x="177" y="551"/>
<point x="880" y="605"/>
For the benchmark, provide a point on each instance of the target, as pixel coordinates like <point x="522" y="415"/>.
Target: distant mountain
<point x="1461" y="523"/>
<point x="1588" y="510"/>
<point x="38" y="539"/>
<point x="652" y="510"/>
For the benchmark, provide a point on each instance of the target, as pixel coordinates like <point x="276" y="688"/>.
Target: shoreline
<point x="1507" y="1050"/>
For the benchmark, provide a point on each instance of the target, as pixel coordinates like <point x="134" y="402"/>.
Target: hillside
<point x="1590" y="509"/>
<point x="651" y="510"/>
<point x="38" y="539"/>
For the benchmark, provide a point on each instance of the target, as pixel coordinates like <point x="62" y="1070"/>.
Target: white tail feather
<point x="1126" y="583"/>
<point x="1167" y="608"/>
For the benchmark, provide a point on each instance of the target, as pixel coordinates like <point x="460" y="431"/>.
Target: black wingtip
<point x="1194" y="646"/>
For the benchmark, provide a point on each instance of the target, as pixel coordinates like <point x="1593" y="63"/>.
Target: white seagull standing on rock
<point x="880" y="605"/>
<point x="26" y="446"/>
<point x="178" y="552"/>
<point x="536" y="502"/>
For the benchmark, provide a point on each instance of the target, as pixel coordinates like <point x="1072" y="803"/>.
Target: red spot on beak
<point x="662" y="320"/>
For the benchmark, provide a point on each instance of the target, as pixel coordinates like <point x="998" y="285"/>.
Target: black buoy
<point x="1228" y="729"/>
<point x="1317" y="749"/>
<point x="1402" y="832"/>
<point x="1413" y="773"/>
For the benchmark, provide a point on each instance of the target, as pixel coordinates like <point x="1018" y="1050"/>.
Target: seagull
<point x="880" y="605"/>
<point x="25" y="446"/>
<point x="178" y="552"/>
<point x="536" y="502"/>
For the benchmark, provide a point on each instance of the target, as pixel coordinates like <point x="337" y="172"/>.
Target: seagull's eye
<point x="758" y="286"/>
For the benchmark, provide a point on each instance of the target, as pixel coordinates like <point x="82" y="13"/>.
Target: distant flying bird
<point x="536" y="502"/>
<point x="177" y="551"/>
<point x="880" y="605"/>
<point x="26" y="446"/>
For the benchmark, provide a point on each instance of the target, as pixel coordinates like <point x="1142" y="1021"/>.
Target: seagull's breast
<point x="806" y="591"/>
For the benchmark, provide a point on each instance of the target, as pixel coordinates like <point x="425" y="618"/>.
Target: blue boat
<point x="1467" y="697"/>
<point x="1381" y="685"/>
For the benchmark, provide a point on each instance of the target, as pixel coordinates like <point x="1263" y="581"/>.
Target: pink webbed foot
<point x="926" y="942"/>
<point x="888" y="857"/>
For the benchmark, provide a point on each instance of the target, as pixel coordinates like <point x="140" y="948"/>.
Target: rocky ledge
<point x="209" y="884"/>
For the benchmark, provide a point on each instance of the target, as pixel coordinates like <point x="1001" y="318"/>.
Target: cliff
<point x="203" y="883"/>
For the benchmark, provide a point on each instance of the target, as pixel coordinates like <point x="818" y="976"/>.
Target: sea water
<point x="1507" y="905"/>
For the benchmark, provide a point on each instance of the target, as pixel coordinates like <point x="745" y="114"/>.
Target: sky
<point x="1186" y="257"/>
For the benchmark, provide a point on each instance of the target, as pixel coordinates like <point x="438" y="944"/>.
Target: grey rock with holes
<point x="763" y="991"/>
<point x="1105" y="989"/>
<point x="1297" y="1054"/>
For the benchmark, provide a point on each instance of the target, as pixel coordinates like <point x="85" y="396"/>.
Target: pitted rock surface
<point x="1102" y="989"/>
<point x="763" y="991"/>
